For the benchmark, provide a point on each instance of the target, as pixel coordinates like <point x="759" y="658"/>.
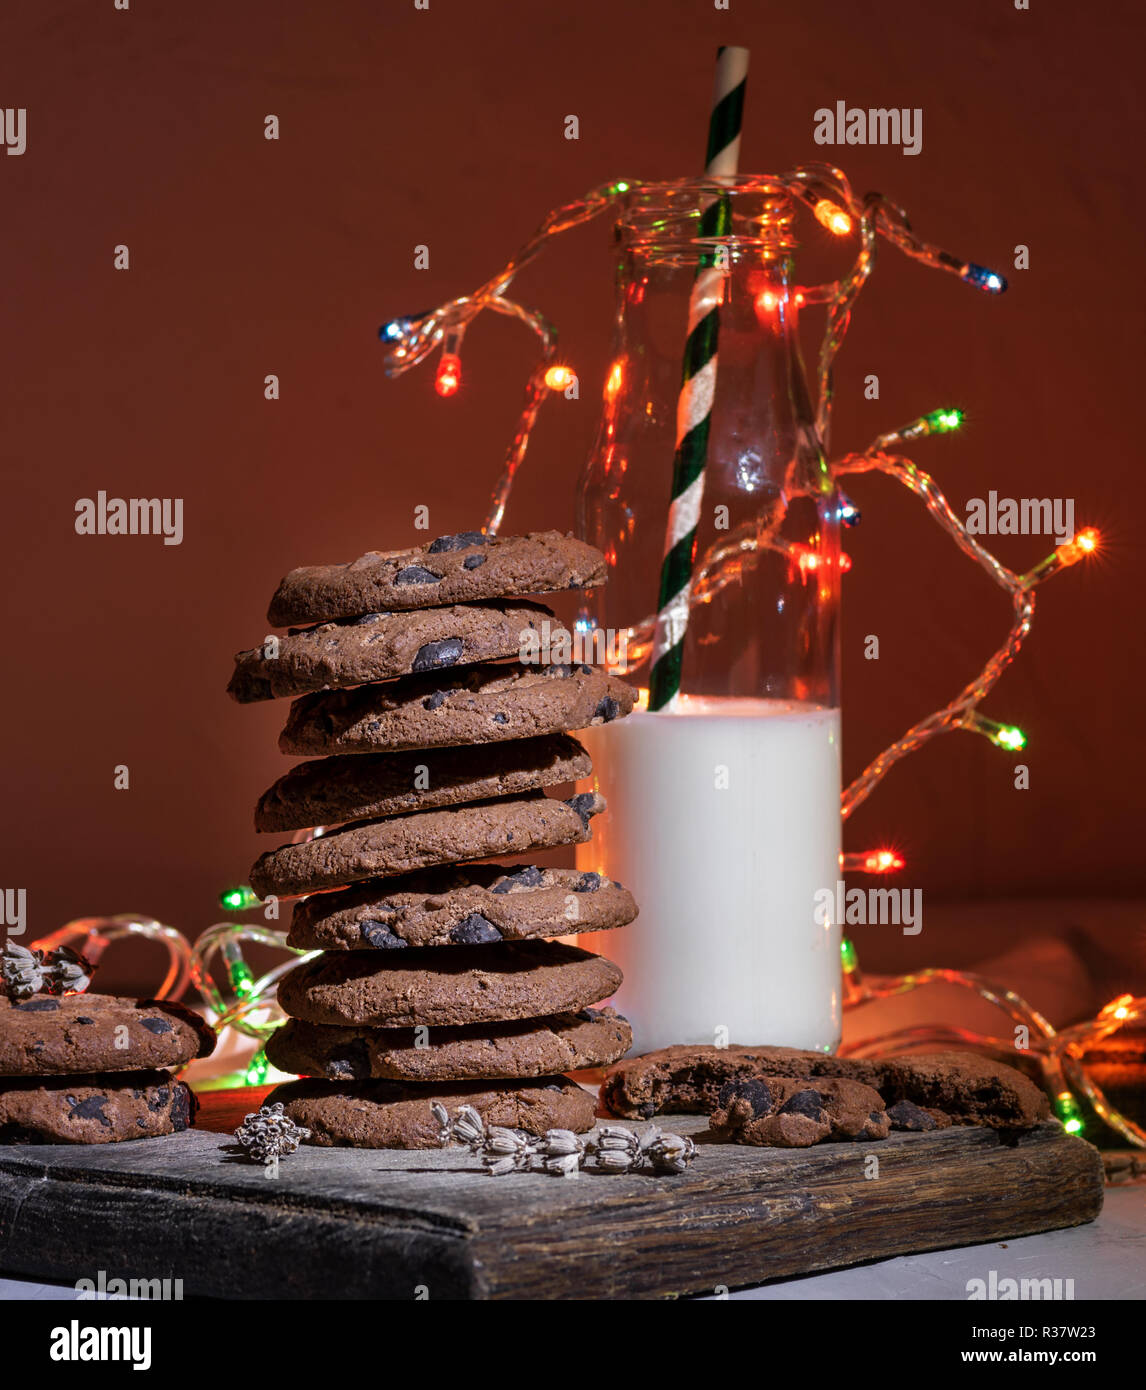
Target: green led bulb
<point x="943" y="421"/>
<point x="257" y="1069"/>
<point x="1067" y="1112"/>
<point x="848" y="958"/>
<point x="241" y="978"/>
<point x="239" y="899"/>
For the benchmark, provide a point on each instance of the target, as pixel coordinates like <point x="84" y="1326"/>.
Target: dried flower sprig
<point x="560" y="1152"/>
<point x="25" y="972"/>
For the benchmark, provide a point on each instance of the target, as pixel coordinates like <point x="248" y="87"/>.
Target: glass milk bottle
<point x="723" y="811"/>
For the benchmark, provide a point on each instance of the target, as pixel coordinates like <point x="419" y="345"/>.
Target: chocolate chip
<point x="365" y="618"/>
<point x="380" y="936"/>
<point x="434" y="700"/>
<point x="91" y="1108"/>
<point x="607" y="710"/>
<point x="184" y="1108"/>
<point x="759" y="1096"/>
<point x="587" y="883"/>
<point x="156" y="1025"/>
<point x="161" y="1101"/>
<point x="753" y="1090"/>
<point x="415" y="574"/>
<point x="808" y="1102"/>
<point x="584" y="803"/>
<point x="38" y="1006"/>
<point x="906" y="1115"/>
<point x="501" y="719"/>
<point x="434" y="655"/>
<point x="528" y="876"/>
<point x="648" y="1110"/>
<point x="462" y="541"/>
<point x="473" y="562"/>
<point x="352" y="1063"/>
<point x="589" y="1015"/>
<point x="474" y="930"/>
<point x="85" y="1020"/>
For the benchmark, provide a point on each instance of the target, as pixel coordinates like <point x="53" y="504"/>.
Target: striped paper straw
<point x="694" y="405"/>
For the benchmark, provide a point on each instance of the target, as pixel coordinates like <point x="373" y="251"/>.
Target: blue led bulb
<point x="982" y="278"/>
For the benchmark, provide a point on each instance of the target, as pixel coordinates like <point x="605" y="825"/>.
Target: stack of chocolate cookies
<point x="432" y="744"/>
<point x="89" y="1068"/>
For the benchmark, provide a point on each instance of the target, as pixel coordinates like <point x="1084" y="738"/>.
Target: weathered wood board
<point x="341" y="1223"/>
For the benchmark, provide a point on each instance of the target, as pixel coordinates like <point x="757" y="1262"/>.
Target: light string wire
<point x="91" y="936"/>
<point x="826" y="190"/>
<point x="251" y="1007"/>
<point x="1058" y="1053"/>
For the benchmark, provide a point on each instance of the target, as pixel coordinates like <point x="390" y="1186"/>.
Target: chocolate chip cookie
<point x="529" y="1047"/>
<point x="48" y="1036"/>
<point x="380" y="646"/>
<point x="329" y="791"/>
<point x="463" y="568"/>
<point x="969" y="1089"/>
<point x="447" y="986"/>
<point x="461" y="907"/>
<point x="789" y="1113"/>
<point x="397" y="1115"/>
<point x="401" y="844"/>
<point x="482" y="704"/>
<point x="689" y="1079"/>
<point x="961" y="1087"/>
<point x="93" y="1108"/>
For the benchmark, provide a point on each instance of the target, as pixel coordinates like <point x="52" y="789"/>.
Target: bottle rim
<point x="661" y="219"/>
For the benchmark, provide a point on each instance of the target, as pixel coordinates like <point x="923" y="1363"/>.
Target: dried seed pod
<point x="506" y="1150"/>
<point x="559" y="1143"/>
<point x="270" y="1133"/>
<point x="67" y="972"/>
<point x="469" y="1127"/>
<point x="564" y="1165"/>
<point x="497" y="1168"/>
<point x="562" y="1152"/>
<point x="671" y="1153"/>
<point x="611" y="1138"/>
<point x="614" y="1161"/>
<point x="442" y="1120"/>
<point x="21" y="971"/>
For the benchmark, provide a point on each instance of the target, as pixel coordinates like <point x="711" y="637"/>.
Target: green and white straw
<point x="694" y="405"/>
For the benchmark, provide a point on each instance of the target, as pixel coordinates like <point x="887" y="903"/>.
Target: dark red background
<point x="445" y="127"/>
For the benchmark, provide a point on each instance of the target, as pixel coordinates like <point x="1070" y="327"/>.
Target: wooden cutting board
<point x="344" y="1223"/>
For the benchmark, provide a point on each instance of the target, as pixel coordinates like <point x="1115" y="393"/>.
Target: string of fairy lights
<point x="249" y="1003"/>
<point x="826" y="191"/>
